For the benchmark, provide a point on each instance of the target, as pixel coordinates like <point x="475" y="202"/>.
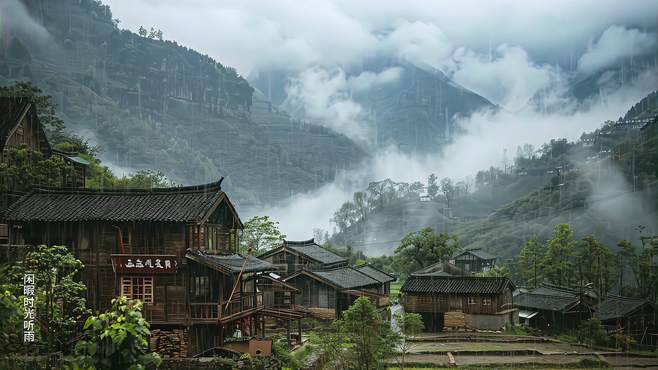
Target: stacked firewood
<point x="169" y="343"/>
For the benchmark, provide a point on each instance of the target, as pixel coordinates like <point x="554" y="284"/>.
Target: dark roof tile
<point x="179" y="204"/>
<point x="230" y="263"/>
<point x="456" y="285"/>
<point x="376" y="273"/>
<point x="615" y="307"/>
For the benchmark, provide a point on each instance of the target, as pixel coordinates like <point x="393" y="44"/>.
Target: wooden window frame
<point x="472" y="300"/>
<point x="138" y="287"/>
<point x="486" y="301"/>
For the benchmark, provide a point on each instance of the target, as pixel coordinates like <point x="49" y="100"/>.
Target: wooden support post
<point x="262" y="324"/>
<point x="288" y="335"/>
<point x="299" y="329"/>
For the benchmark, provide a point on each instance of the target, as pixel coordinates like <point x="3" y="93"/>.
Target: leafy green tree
<point x="60" y="299"/>
<point x="331" y="344"/>
<point x="496" y="271"/>
<point x="361" y="339"/>
<point x="530" y="262"/>
<point x="145" y="179"/>
<point x="625" y="254"/>
<point x="10" y="320"/>
<point x="116" y="339"/>
<point x="423" y="248"/>
<point x="449" y="191"/>
<point x="24" y="168"/>
<point x="261" y="233"/>
<point x="53" y="125"/>
<point x="432" y="186"/>
<point x="595" y="264"/>
<point x="369" y="335"/>
<point x="410" y="324"/>
<point x="558" y="263"/>
<point x="591" y="332"/>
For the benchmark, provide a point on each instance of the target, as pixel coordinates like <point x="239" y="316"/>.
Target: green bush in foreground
<point x="117" y="339"/>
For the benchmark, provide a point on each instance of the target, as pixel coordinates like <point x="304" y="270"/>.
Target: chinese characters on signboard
<point x="144" y="263"/>
<point x="29" y="307"/>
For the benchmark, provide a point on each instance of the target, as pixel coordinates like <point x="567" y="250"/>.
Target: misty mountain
<point x="579" y="183"/>
<point x="154" y="104"/>
<point x="612" y="77"/>
<point x="414" y="110"/>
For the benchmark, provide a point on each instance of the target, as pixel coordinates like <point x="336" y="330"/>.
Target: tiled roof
<point x="309" y="249"/>
<point x="617" y="307"/>
<point x="561" y="291"/>
<point x="440" y="269"/>
<point x="229" y="263"/>
<point x="181" y="204"/>
<point x="544" y="302"/>
<point x="342" y="277"/>
<point x="479" y="253"/>
<point x="376" y="273"/>
<point x="456" y="285"/>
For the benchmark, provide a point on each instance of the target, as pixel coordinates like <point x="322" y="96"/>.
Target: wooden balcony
<point x="238" y="307"/>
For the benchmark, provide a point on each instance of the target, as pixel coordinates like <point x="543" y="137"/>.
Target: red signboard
<point x="144" y="263"/>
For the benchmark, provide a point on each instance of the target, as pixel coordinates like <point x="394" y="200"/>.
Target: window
<point x="200" y="286"/>
<point x="486" y="301"/>
<point x="280" y="258"/>
<point x="472" y="300"/>
<point x="138" y="287"/>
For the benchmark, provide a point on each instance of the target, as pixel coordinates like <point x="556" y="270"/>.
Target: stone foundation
<point x="170" y="343"/>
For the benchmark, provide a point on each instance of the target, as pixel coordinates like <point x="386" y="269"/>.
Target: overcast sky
<point x="505" y="50"/>
<point x="252" y="34"/>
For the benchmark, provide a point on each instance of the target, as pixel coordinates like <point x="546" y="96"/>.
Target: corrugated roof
<point x="479" y="253"/>
<point x="229" y="263"/>
<point x="376" y="273"/>
<point x="342" y="277"/>
<point x="615" y="307"/>
<point x="310" y="249"/>
<point x="456" y="285"/>
<point x="182" y="204"/>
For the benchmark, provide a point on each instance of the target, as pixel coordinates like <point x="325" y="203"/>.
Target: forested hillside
<point x="605" y="184"/>
<point x="153" y="104"/>
<point x="414" y="112"/>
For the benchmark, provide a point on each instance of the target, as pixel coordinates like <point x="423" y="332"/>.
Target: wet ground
<point x="473" y="349"/>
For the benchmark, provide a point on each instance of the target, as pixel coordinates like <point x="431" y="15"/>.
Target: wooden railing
<point x="219" y="311"/>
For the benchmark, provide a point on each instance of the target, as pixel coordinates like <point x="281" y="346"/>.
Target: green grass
<point x="395" y="289"/>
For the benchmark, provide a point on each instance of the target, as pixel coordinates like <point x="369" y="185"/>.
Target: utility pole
<point x="652" y="243"/>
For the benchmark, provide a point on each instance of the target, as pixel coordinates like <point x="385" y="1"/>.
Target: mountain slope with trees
<point x="153" y="104"/>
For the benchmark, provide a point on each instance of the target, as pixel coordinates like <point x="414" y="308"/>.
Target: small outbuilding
<point x="474" y="260"/>
<point x="634" y="317"/>
<point x="460" y="301"/>
<point x="551" y="307"/>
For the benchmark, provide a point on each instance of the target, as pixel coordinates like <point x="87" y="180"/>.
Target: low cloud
<point x="489" y="139"/>
<point x="507" y="77"/>
<point x="324" y="96"/>
<point x="615" y="44"/>
<point x="18" y="22"/>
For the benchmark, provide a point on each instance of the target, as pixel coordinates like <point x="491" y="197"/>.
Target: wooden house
<point x="384" y="278"/>
<point x="294" y="256"/>
<point x="460" y="301"/>
<point x="634" y="317"/>
<point x="553" y="308"/>
<point x="474" y="260"/>
<point x="20" y="128"/>
<point x="176" y="249"/>
<point x="327" y="293"/>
